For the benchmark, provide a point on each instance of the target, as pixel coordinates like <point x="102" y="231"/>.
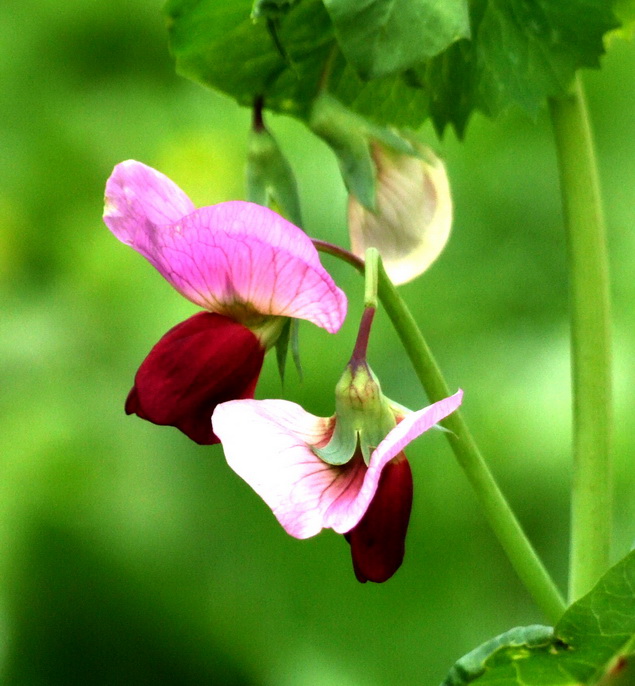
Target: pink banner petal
<point x="240" y="255"/>
<point x="236" y="258"/>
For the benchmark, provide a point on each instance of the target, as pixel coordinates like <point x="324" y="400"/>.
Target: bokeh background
<point x="129" y="555"/>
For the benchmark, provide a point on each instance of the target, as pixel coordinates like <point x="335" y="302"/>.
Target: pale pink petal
<point x="411" y="427"/>
<point x="139" y="201"/>
<point x="240" y="256"/>
<point x="267" y="443"/>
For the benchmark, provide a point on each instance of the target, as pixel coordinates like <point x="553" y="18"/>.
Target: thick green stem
<point x="590" y="343"/>
<point x="497" y="511"/>
<point x="519" y="550"/>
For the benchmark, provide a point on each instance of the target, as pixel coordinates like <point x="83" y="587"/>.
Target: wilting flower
<point x="279" y="457"/>
<point x="413" y="215"/>
<point x="242" y="263"/>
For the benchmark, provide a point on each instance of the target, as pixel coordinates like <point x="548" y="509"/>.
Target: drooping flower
<point x="411" y="222"/>
<point x="246" y="266"/>
<point x="279" y="457"/>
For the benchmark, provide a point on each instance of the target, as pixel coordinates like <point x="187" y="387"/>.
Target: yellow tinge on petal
<point x="413" y="216"/>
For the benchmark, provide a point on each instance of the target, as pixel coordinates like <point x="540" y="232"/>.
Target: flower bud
<point x="411" y="222"/>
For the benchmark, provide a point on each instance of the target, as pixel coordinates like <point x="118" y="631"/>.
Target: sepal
<point x="282" y="348"/>
<point x="350" y="135"/>
<point x="364" y="417"/>
<point x="269" y="177"/>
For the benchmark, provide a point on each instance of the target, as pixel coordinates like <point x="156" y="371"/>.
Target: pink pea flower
<point x="243" y="264"/>
<point x="370" y="505"/>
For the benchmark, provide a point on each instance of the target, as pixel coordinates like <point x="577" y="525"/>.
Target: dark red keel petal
<point x="378" y="541"/>
<point x="201" y="362"/>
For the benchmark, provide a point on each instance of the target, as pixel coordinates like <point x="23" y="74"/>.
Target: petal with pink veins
<point x="268" y="444"/>
<point x="238" y="254"/>
<point x="235" y="258"/>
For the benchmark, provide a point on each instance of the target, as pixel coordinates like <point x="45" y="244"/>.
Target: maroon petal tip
<point x="378" y="541"/>
<point x="201" y="362"/>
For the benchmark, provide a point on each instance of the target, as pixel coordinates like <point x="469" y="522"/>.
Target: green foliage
<point x="216" y="42"/>
<point x="625" y="11"/>
<point x="526" y="51"/>
<point x="473" y="665"/>
<point x="384" y="37"/>
<point x="395" y="61"/>
<point x="271" y="9"/>
<point x="590" y="645"/>
<point x="129" y="555"/>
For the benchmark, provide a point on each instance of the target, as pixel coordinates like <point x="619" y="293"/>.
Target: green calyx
<point x="267" y="329"/>
<point x="363" y="416"/>
<point x="269" y="177"/>
<point x="349" y="135"/>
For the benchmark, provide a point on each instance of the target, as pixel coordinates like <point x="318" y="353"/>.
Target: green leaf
<point x="472" y="665"/>
<point x="451" y="81"/>
<point x="521" y="52"/>
<point x="592" y="644"/>
<point x="382" y="37"/>
<point x="271" y="9"/>
<point x="389" y="101"/>
<point x="625" y="12"/>
<point x="216" y="43"/>
<point x="529" y="50"/>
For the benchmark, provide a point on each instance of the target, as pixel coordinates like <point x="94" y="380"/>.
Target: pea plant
<point x="364" y="77"/>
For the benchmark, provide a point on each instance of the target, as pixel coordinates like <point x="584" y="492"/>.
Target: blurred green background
<point x="129" y="555"/>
